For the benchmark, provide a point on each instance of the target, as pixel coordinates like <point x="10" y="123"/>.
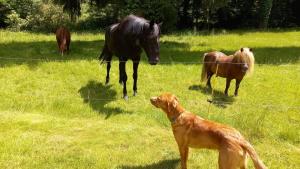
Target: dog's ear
<point x="172" y="104"/>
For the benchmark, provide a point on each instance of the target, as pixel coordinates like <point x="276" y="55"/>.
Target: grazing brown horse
<point x="126" y="40"/>
<point x="230" y="67"/>
<point x="63" y="39"/>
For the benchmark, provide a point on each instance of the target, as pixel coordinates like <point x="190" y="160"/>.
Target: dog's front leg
<point x="184" y="152"/>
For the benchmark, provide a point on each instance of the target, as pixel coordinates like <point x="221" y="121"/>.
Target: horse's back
<point x="63" y="39"/>
<point x="63" y="33"/>
<point x="213" y="56"/>
<point x="120" y="38"/>
<point x="212" y="59"/>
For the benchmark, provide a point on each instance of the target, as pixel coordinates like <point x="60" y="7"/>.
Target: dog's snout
<point x="153" y="99"/>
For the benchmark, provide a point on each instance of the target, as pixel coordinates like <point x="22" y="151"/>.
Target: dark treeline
<point x="46" y="15"/>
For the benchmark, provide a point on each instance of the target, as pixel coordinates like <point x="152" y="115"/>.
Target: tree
<point x="22" y="7"/>
<point x="264" y="10"/>
<point x="4" y="12"/>
<point x="72" y="7"/>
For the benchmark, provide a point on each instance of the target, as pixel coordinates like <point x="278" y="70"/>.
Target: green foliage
<point x="22" y="7"/>
<point x="210" y="8"/>
<point x="15" y="22"/>
<point x="4" y="12"/>
<point x="47" y="17"/>
<point x="72" y="7"/>
<point x="99" y="17"/>
<point x="175" y="14"/>
<point x="163" y="11"/>
<point x="264" y="11"/>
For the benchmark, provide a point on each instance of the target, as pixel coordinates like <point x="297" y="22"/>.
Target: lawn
<point x="56" y="112"/>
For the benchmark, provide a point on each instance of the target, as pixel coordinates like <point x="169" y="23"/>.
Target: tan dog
<point x="193" y="131"/>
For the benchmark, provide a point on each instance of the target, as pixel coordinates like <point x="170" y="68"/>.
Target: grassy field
<point x="56" y="112"/>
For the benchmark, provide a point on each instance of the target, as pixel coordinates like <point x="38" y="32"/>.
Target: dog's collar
<point x="174" y="118"/>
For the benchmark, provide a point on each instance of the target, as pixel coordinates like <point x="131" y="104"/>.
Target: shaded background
<point x="47" y="15"/>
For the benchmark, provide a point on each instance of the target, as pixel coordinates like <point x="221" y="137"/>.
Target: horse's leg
<point x="135" y="76"/>
<point x="108" y="69"/>
<point x="237" y="85"/>
<point x="209" y="75"/>
<point x="228" y="80"/>
<point x="123" y="78"/>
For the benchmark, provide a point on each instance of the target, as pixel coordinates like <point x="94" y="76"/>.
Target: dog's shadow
<point x="219" y="98"/>
<point x="164" y="164"/>
<point x="98" y="96"/>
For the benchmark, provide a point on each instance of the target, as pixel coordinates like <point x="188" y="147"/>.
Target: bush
<point x="15" y="22"/>
<point x="22" y="7"/>
<point x="46" y="17"/>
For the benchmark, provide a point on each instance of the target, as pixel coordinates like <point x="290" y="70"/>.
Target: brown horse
<point x="63" y="39"/>
<point x="230" y="67"/>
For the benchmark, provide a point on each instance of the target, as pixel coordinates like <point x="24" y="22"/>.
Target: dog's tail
<point x="204" y="70"/>
<point x="258" y="164"/>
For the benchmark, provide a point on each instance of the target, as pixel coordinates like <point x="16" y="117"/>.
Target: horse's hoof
<point x="134" y="93"/>
<point x="121" y="83"/>
<point x="125" y="97"/>
<point x="106" y="83"/>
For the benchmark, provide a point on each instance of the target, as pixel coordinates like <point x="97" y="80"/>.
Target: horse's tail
<point x="258" y="164"/>
<point x="103" y="56"/>
<point x="204" y="70"/>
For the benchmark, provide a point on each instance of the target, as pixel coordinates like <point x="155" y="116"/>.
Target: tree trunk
<point x="264" y="10"/>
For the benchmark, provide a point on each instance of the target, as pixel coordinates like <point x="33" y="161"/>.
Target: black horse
<point x="126" y="40"/>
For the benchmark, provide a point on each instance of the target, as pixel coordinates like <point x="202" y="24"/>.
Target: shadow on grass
<point x="219" y="99"/>
<point x="33" y="53"/>
<point x="165" y="164"/>
<point x="274" y="55"/>
<point x="171" y="52"/>
<point x="98" y="96"/>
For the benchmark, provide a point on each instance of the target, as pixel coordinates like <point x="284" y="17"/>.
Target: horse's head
<point x="63" y="47"/>
<point x="244" y="59"/>
<point x="150" y="41"/>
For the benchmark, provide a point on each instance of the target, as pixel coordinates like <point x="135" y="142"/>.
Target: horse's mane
<point x="133" y="25"/>
<point x="247" y="55"/>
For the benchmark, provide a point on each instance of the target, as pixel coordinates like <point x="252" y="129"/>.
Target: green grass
<point x="56" y="112"/>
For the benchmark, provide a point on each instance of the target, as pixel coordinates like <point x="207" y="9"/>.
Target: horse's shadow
<point x="165" y="164"/>
<point x="219" y="98"/>
<point x="98" y="96"/>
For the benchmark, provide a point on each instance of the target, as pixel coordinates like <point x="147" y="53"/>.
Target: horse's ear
<point x="151" y="24"/>
<point x="242" y="49"/>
